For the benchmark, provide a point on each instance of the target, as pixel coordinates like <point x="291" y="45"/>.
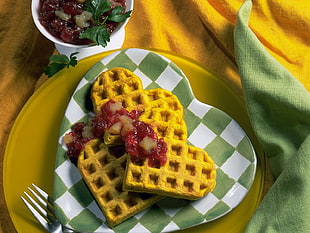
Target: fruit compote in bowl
<point x="79" y="24"/>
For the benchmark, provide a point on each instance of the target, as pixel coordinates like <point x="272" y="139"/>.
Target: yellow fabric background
<point x="199" y="29"/>
<point x="203" y="30"/>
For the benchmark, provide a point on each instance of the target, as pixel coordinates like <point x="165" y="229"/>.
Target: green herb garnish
<point x="59" y="62"/>
<point x="99" y="34"/>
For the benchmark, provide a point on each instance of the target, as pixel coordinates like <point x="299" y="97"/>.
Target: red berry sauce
<point x="156" y="156"/>
<point x="133" y="138"/>
<point x="77" y="141"/>
<point x="67" y="30"/>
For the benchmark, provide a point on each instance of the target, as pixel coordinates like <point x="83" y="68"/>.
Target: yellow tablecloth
<point x="201" y="30"/>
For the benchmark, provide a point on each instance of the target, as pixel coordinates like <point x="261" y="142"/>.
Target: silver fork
<point x="43" y="210"/>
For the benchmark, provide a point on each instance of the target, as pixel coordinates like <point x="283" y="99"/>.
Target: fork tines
<point x="40" y="205"/>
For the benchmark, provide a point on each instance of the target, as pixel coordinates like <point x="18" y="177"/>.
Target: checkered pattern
<point x="208" y="128"/>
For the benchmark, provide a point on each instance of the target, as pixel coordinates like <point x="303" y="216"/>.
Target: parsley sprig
<point x="100" y="34"/>
<point x="59" y="62"/>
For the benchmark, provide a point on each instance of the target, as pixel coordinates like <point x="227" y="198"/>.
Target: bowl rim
<point x="48" y="35"/>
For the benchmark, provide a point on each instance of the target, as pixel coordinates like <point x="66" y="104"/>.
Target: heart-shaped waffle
<point x="160" y="108"/>
<point x="188" y="173"/>
<point x="102" y="168"/>
<point x="124" y="86"/>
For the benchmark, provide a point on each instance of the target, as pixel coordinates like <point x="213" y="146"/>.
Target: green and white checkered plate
<point x="208" y="128"/>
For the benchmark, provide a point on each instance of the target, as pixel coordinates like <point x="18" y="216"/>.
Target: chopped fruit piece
<point x="148" y="144"/>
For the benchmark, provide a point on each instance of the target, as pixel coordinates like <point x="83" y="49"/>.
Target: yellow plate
<point x="31" y="149"/>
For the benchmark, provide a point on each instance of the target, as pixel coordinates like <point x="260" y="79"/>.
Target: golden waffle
<point x="113" y="82"/>
<point x="123" y="85"/>
<point x="189" y="173"/>
<point x="153" y="98"/>
<point x="103" y="173"/>
<point x="167" y="123"/>
<point x="112" y="139"/>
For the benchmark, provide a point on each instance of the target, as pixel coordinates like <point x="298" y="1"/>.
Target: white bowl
<point x="114" y="35"/>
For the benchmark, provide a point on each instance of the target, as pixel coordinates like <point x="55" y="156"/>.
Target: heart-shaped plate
<point x="209" y="128"/>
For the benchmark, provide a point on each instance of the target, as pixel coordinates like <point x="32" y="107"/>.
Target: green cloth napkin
<point x="279" y="109"/>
